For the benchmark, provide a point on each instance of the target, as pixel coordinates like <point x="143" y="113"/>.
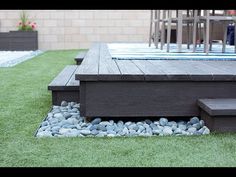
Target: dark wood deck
<point x="127" y="88"/>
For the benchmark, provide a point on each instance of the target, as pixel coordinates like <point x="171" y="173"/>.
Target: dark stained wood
<point x="218" y="107"/>
<point x="129" y="71"/>
<point x="89" y="68"/>
<point x="151" y="71"/>
<point x="219" y="123"/>
<point x="80" y="56"/>
<point x="108" y="69"/>
<point x="172" y="71"/>
<point x="65" y="87"/>
<point x="138" y="99"/>
<point x="65" y="95"/>
<point x="60" y="81"/>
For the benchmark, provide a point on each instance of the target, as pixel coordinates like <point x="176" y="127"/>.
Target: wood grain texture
<point x="218" y="107"/>
<point x="138" y="99"/>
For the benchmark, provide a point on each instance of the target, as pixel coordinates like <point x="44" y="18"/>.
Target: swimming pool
<point x="141" y="51"/>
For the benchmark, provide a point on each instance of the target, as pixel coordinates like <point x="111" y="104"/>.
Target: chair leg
<point x="207" y="32"/>
<point x="224" y="38"/>
<point x="150" y="31"/>
<point x="180" y="27"/>
<point x="168" y="31"/>
<point x="211" y="35"/>
<point x="194" y="30"/>
<point x="163" y="29"/>
<point x="188" y="34"/>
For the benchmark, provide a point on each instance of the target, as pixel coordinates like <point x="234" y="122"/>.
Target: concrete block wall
<point x="73" y="29"/>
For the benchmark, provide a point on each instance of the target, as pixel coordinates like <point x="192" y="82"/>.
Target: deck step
<point x="64" y="86"/>
<point x="219" y="114"/>
<point x="79" y="58"/>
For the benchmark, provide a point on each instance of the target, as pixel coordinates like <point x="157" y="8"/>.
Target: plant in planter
<point x="25" y="24"/>
<point x="26" y="38"/>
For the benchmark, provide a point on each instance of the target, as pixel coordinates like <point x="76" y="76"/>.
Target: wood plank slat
<point x="218" y="107"/>
<point x="129" y="71"/>
<point x="72" y="82"/>
<point x="108" y="69"/>
<point x="60" y="81"/>
<point x="88" y="70"/>
<point x="173" y="72"/>
<point x="151" y="72"/>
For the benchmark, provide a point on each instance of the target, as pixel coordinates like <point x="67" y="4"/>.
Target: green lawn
<point x="25" y="100"/>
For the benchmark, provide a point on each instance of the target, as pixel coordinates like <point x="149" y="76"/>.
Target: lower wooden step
<point x="219" y="114"/>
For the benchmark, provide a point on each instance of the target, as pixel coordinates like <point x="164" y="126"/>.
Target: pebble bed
<point x="12" y="58"/>
<point x="65" y="121"/>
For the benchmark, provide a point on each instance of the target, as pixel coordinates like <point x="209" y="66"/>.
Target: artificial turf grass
<point x="25" y="101"/>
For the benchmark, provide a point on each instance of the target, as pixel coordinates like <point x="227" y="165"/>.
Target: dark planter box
<point x="24" y="40"/>
<point x="19" y="40"/>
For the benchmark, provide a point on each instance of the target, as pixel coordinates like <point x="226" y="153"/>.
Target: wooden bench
<point x="79" y="58"/>
<point x="219" y="114"/>
<point x="64" y="86"/>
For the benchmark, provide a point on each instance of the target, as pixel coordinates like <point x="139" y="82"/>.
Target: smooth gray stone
<point x="163" y="121"/>
<point x="101" y="134"/>
<point x="93" y="127"/>
<point x="58" y="115"/>
<point x="111" y="121"/>
<point x="111" y="132"/>
<point x="160" y="127"/>
<point x="201" y="130"/>
<point x="192" y="130"/>
<point x="206" y="131"/>
<point x="133" y="127"/>
<point x="172" y="123"/>
<point x="55" y="107"/>
<point x="194" y="120"/>
<point x="189" y="124"/>
<point x="110" y="127"/>
<point x="50" y="114"/>
<point x="128" y="123"/>
<point x="177" y="131"/>
<point x="118" y="129"/>
<point x="202" y="123"/>
<point x="181" y="122"/>
<point x="141" y="128"/>
<point x="197" y="126"/>
<point x="146" y="125"/>
<point x="101" y="127"/>
<point x="67" y="115"/>
<point x="83" y="124"/>
<point x="156" y="132"/>
<point x="105" y="123"/>
<point x="94" y="132"/>
<point x="182" y="126"/>
<point x="64" y="130"/>
<point x="45" y="123"/>
<point x="139" y="123"/>
<point x="148" y="121"/>
<point x="56" y="128"/>
<point x="69" y="126"/>
<point x="72" y="103"/>
<point x="85" y="132"/>
<point x="78" y="127"/>
<point x="126" y="131"/>
<point x="64" y="103"/>
<point x="156" y="122"/>
<point x="153" y="126"/>
<point x="174" y="127"/>
<point x="96" y="121"/>
<point x="197" y="133"/>
<point x="56" y="111"/>
<point x="167" y="131"/>
<point x="44" y="128"/>
<point x="76" y="106"/>
<point x="111" y="135"/>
